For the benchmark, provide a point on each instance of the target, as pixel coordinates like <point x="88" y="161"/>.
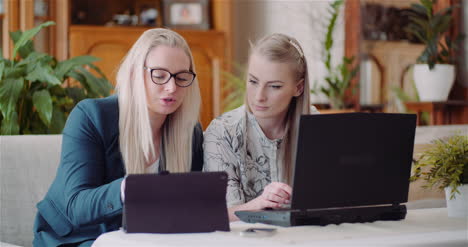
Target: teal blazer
<point x="84" y="199"/>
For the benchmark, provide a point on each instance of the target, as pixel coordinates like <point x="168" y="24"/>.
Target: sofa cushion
<point x="28" y="165"/>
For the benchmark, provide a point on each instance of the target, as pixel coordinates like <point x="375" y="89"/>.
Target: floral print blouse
<point x="235" y="143"/>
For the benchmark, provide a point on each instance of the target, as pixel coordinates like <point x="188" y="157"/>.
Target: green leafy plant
<point x="33" y="96"/>
<point x="447" y="161"/>
<point x="338" y="79"/>
<point x="430" y="28"/>
<point x="234" y="87"/>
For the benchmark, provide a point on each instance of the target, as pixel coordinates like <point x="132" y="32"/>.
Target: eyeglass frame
<point x="171" y="75"/>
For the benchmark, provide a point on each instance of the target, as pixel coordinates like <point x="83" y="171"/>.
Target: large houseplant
<point x="338" y="79"/>
<point x="445" y="165"/>
<point x="33" y="97"/>
<point x="434" y="74"/>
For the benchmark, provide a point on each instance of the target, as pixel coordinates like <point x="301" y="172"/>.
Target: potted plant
<point x="434" y="74"/>
<point x="338" y="79"/>
<point x="33" y="96"/>
<point x="445" y="165"/>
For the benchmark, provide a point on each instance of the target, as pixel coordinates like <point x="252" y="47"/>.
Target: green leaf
<point x="14" y="72"/>
<point x="58" y="121"/>
<point x="10" y="125"/>
<point x="37" y="126"/>
<point x="428" y="6"/>
<point x="401" y="95"/>
<point x="27" y="48"/>
<point x="442" y="26"/>
<point x="420" y="23"/>
<point x="420" y="9"/>
<point x="418" y="32"/>
<point x="234" y="87"/>
<point x="447" y="11"/>
<point x="2" y="68"/>
<point x="9" y="92"/>
<point x="97" y="86"/>
<point x="29" y="34"/>
<point x="65" y="66"/>
<point x="43" y="73"/>
<point x="34" y="58"/>
<point x="80" y="78"/>
<point x="77" y="94"/>
<point x="58" y="92"/>
<point x="94" y="67"/>
<point x="328" y="43"/>
<point x="43" y="104"/>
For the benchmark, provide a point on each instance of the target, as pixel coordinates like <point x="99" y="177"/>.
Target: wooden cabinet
<point x="111" y="44"/>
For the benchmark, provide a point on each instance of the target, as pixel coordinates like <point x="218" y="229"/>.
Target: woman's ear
<point x="299" y="88"/>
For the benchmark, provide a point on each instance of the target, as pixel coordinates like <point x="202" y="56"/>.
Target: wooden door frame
<point x="10" y="22"/>
<point x="62" y="15"/>
<point x="352" y="45"/>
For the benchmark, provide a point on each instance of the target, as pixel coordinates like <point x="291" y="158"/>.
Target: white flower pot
<point x="457" y="207"/>
<point x="435" y="84"/>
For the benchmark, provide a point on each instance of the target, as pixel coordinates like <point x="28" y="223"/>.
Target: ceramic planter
<point x="435" y="84"/>
<point x="457" y="207"/>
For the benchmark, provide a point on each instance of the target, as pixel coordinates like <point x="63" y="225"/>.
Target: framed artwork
<point x="149" y="12"/>
<point x="187" y="14"/>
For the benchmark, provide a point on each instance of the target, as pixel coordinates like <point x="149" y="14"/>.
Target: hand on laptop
<point x="275" y="195"/>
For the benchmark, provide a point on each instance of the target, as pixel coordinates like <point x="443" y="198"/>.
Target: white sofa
<point x="28" y="165"/>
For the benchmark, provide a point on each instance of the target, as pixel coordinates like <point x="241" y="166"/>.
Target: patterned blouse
<point x="235" y="143"/>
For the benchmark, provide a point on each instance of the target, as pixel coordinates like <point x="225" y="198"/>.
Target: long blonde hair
<point x="284" y="49"/>
<point x="136" y="142"/>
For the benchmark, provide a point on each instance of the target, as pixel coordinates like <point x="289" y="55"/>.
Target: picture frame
<point x="187" y="14"/>
<point x="146" y="10"/>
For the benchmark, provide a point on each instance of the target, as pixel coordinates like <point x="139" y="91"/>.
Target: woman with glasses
<point x="254" y="144"/>
<point x="150" y="125"/>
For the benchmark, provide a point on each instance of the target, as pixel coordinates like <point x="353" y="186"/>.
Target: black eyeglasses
<point x="162" y="76"/>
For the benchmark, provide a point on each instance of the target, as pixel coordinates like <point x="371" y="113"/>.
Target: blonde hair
<point x="284" y="49"/>
<point x="136" y="142"/>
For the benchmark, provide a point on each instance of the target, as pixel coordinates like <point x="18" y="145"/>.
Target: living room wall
<point x="306" y="20"/>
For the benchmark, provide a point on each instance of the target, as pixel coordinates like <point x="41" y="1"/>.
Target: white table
<point x="422" y="227"/>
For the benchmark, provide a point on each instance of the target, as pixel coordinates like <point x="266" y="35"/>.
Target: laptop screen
<point x="353" y="159"/>
<point x="176" y="203"/>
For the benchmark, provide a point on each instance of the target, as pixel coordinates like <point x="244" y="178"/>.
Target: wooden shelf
<point x="445" y="112"/>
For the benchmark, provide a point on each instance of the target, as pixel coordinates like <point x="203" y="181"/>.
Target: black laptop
<point x="175" y="203"/>
<point x="351" y="167"/>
